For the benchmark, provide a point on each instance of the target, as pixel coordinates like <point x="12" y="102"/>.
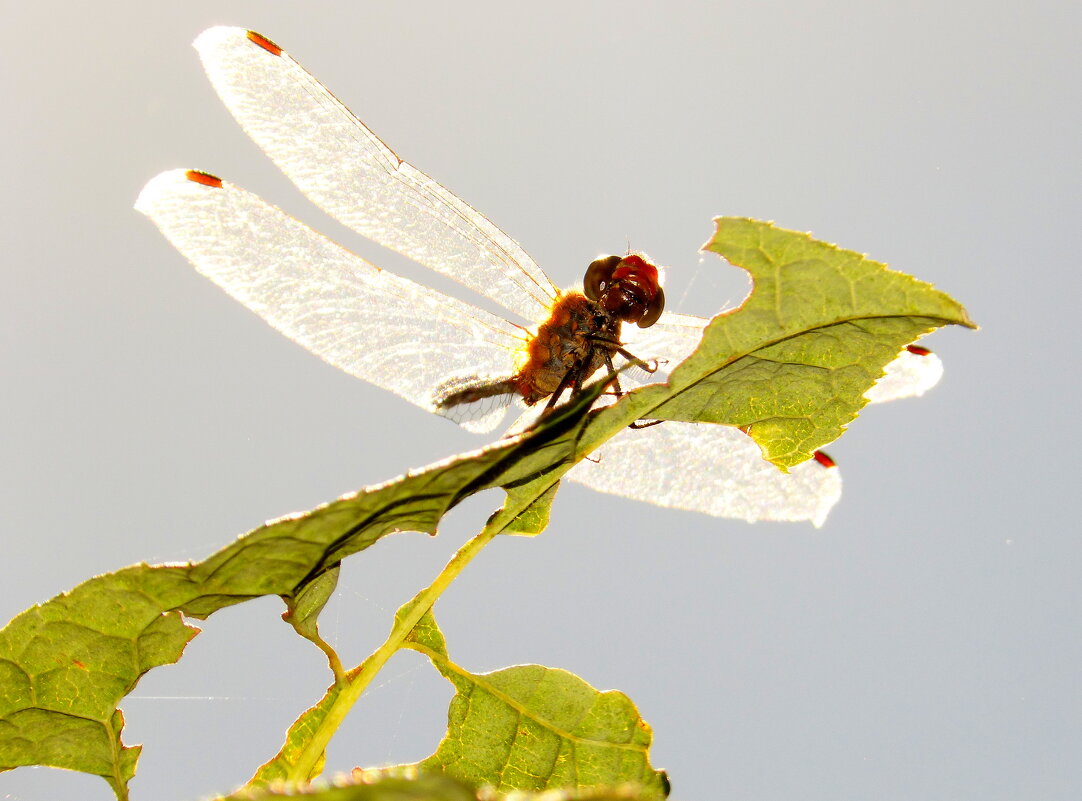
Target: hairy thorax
<point x="576" y="328"/>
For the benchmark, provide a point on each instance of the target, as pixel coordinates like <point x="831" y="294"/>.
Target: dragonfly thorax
<point x="569" y="347"/>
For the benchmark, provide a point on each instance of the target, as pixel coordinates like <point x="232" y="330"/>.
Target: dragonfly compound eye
<point x="598" y="276"/>
<point x="634" y="293"/>
<point x="653" y="310"/>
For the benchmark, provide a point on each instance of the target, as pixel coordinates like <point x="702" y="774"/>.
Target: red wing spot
<point x="205" y="178"/>
<point x="917" y="350"/>
<point x="265" y="43"/>
<point x="823" y="459"/>
<point x="78" y="664"/>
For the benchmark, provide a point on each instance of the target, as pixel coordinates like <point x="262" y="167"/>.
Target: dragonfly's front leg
<point x="614" y="377"/>
<point x="650" y="367"/>
<point x="614" y="346"/>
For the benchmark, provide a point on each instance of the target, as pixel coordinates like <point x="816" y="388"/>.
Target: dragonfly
<point x="440" y="353"/>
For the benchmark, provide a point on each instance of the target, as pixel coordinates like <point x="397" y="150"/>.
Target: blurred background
<point x="922" y="645"/>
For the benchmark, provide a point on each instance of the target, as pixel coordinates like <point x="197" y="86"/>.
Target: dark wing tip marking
<point x="265" y="43"/>
<point x="917" y="350"/>
<point x="205" y="178"/>
<point x="824" y="459"/>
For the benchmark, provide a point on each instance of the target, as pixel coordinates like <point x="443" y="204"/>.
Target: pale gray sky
<point x="922" y="645"/>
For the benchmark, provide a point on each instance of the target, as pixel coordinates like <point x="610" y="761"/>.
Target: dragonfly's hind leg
<point x="572" y="380"/>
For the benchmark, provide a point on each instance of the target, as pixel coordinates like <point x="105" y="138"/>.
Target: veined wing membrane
<point x="713" y="469"/>
<point x="377" y="326"/>
<point x="343" y="167"/>
<point x="914" y="372"/>
<point x="670" y="340"/>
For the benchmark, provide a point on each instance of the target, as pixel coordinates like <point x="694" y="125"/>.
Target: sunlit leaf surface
<point x="531" y="727"/>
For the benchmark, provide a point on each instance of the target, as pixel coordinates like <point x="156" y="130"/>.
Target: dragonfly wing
<point x="670" y="340"/>
<point x="913" y="373"/>
<point x="342" y="166"/>
<point x="388" y="330"/>
<point x="716" y="470"/>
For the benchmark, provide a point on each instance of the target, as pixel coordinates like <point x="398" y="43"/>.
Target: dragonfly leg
<point x="614" y="346"/>
<point x="569" y="380"/>
<point x="649" y="367"/>
<point x="579" y="372"/>
<point x="613" y="376"/>
<point x="616" y="381"/>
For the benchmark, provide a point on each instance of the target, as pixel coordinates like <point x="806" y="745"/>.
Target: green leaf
<point x="790" y="366"/>
<point x="67" y="663"/>
<point x="536" y="495"/>
<point x="799" y="394"/>
<point x="304" y="607"/>
<point x="534" y="728"/>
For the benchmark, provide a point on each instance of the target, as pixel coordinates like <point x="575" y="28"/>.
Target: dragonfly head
<point x="627" y="287"/>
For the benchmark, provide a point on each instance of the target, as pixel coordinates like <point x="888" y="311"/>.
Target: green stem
<point x="333" y="660"/>
<point x="357" y="680"/>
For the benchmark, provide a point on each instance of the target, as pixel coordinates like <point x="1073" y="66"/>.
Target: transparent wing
<point x="674" y="336"/>
<point x="342" y="166"/>
<point x="914" y="372"/>
<point x="713" y="469"/>
<point x="670" y="340"/>
<point x="388" y="330"/>
<point x="718" y="470"/>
